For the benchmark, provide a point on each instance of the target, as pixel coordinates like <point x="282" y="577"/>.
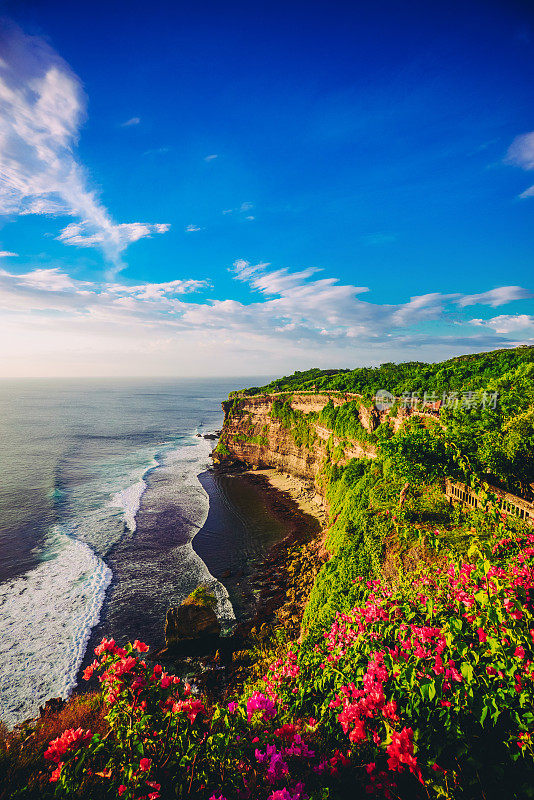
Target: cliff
<point x="289" y="432"/>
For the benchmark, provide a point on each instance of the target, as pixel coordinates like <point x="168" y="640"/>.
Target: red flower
<point x="56" y="773"/>
<point x="140" y="646"/>
<point x="144" y="764"/>
<point x="121" y="789"/>
<point x="400" y="752"/>
<point x="58" y="747"/>
<point x="191" y="707"/>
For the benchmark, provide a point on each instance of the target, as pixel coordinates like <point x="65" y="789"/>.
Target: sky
<point x="253" y="188"/>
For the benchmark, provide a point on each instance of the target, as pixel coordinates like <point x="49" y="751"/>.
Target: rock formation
<point x="192" y="627"/>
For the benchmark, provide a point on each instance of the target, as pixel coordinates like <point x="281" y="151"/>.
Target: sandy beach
<point x="300" y="491"/>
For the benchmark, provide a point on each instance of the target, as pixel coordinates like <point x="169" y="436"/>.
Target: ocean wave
<point x="129" y="499"/>
<point x="46" y="617"/>
<point x="178" y="487"/>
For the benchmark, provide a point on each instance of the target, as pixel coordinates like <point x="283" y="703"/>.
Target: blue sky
<point x="263" y="187"/>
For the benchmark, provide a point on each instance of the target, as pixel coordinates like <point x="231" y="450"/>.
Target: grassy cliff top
<point x="463" y="373"/>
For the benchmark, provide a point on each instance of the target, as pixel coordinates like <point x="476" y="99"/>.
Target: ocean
<point x="104" y="486"/>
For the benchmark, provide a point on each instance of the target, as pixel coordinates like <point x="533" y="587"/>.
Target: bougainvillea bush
<point x="424" y="689"/>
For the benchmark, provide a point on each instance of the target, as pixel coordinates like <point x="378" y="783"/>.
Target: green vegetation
<point x="295" y="421"/>
<point x="344" y="421"/>
<point x="461" y="374"/>
<point x="413" y="674"/>
<point x="201" y="596"/>
<point x="488" y="415"/>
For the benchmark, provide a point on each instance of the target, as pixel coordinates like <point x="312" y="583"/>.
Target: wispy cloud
<point x="521" y="154"/>
<point x="211" y="157"/>
<point x="7" y="254"/>
<point x="378" y="238"/>
<point x="84" y="234"/>
<point x="130" y="122"/>
<point x="521" y="151"/>
<point x="192" y="228"/>
<point x="495" y="297"/>
<point x="42" y="108"/>
<point x="293" y="317"/>
<point x="242" y="211"/>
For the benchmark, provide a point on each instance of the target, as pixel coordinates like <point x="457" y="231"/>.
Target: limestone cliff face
<point x="253" y="433"/>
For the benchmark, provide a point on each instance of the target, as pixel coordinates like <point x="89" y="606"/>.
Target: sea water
<point x="99" y="503"/>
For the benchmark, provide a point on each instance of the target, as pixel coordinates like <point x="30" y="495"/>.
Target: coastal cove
<point x="340" y="606"/>
<point x="105" y="486"/>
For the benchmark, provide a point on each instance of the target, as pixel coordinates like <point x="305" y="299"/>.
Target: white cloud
<point x="192" y="228"/>
<point x="292" y="319"/>
<point x="84" y="235"/>
<point x="48" y="280"/>
<point x="158" y="291"/>
<point x="211" y="158"/>
<point x="521" y="151"/>
<point x="42" y="108"/>
<point x="495" y="297"/>
<point x="521" y="154"/>
<point x="130" y="122"/>
<point x="242" y="210"/>
<point x="7" y="254"/>
<point x="508" y="323"/>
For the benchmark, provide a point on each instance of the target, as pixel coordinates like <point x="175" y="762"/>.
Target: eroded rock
<point x="190" y="621"/>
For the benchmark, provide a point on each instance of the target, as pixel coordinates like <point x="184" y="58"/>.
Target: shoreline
<point x="298" y="490"/>
<point x="266" y="587"/>
<point x="276" y="588"/>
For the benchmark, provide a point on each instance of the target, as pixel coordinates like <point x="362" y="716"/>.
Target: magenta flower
<point x="260" y="702"/>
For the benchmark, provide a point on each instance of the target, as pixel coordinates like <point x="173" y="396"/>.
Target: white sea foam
<point x="129" y="499"/>
<point x="46" y="617"/>
<point x="179" y="484"/>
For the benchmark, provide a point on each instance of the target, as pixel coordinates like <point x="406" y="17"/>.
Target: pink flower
<point x="276" y="766"/>
<point x="519" y="652"/>
<point x="232" y="707"/>
<point x="144" y="764"/>
<point x="482" y="636"/>
<point x="121" y="789"/>
<point x="260" y="702"/>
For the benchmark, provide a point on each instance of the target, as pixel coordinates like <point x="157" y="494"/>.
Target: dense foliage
<point x="421" y="687"/>
<point x="464" y="373"/>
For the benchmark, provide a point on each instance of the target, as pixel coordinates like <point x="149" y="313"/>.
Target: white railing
<point x="461" y="493"/>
